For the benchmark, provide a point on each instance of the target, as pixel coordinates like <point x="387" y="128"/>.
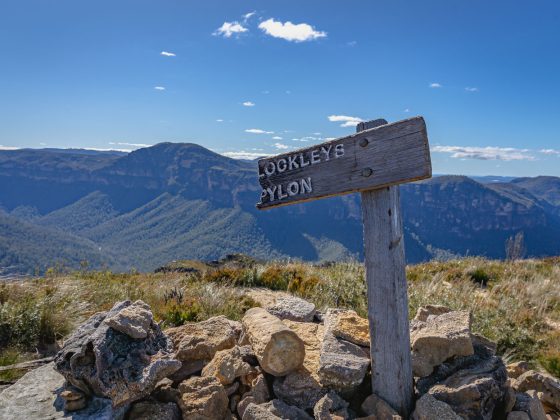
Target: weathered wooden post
<point x="372" y="161"/>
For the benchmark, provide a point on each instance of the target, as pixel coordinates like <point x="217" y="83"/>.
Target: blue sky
<point x="122" y="74"/>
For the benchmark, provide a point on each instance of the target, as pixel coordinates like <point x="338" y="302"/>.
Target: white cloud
<point x="550" y="152"/>
<point x="258" y="131"/>
<point x="485" y="153"/>
<point x="248" y="103"/>
<point x="131" y="144"/>
<point x="244" y="155"/>
<point x="8" y="147"/>
<point x="316" y="134"/>
<point x="230" y="28"/>
<point x="345" y="120"/>
<point x="435" y="85"/>
<point x="290" y="32"/>
<point x="159" y="87"/>
<point x="167" y="54"/>
<point x="248" y="16"/>
<point x="406" y="110"/>
<point x="276" y="138"/>
<point x="219" y="120"/>
<point x="471" y="89"/>
<point x="308" y="138"/>
<point x="265" y="92"/>
<point x="281" y="146"/>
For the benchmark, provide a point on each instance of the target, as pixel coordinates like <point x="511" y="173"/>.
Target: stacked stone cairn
<point x="288" y="361"/>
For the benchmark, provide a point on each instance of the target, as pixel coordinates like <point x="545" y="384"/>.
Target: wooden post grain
<point x="387" y="294"/>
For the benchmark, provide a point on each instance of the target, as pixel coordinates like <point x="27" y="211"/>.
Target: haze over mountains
<point x="182" y="201"/>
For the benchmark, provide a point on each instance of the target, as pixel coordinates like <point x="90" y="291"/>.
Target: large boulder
<point x="101" y="358"/>
<point x="37" y="396"/>
<point x="478" y="392"/>
<point x="438" y="339"/>
<point x="302" y="387"/>
<point x="203" y="398"/>
<point x="199" y="341"/>
<point x="547" y="387"/>
<point x="292" y="308"/>
<point x="278" y="349"/>
<point x="227" y="365"/>
<point x="428" y="408"/>
<point x="348" y="325"/>
<point x="342" y="365"/>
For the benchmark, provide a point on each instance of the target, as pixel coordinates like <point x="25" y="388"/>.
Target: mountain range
<point x="181" y="201"/>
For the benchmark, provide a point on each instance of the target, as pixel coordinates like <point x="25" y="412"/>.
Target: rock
<point x="331" y="407"/>
<point x="36" y="396"/>
<point x="103" y="361"/>
<point x="164" y="391"/>
<point x="546" y="385"/>
<point x="227" y="365"/>
<point x="516" y="369"/>
<point x="276" y="409"/>
<point x="482" y="354"/>
<point x="149" y="410"/>
<point x="438" y="339"/>
<point x="348" y="325"/>
<point x="133" y="320"/>
<point x="187" y="370"/>
<point x="258" y="394"/>
<point x="379" y="408"/>
<point x="73" y="399"/>
<point x="518" y="415"/>
<point x="203" y="398"/>
<point x="278" y="349"/>
<point x="232" y="389"/>
<point x="474" y="392"/>
<point x="292" y="308"/>
<point x="342" y="365"/>
<point x="529" y="403"/>
<point x="425" y="311"/>
<point x="428" y="408"/>
<point x="200" y="341"/>
<point x="302" y="387"/>
<point x="257" y="412"/>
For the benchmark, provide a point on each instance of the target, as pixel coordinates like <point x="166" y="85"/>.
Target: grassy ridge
<point x="516" y="304"/>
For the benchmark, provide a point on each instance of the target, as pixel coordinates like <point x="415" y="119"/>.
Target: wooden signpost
<point x="372" y="161"/>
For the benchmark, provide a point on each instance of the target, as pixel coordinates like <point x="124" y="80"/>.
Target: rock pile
<point x="279" y="362"/>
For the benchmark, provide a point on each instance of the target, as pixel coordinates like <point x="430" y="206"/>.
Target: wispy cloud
<point x="219" y="120"/>
<point x="248" y="16"/>
<point x="248" y="103"/>
<point x="131" y="144"/>
<point x="276" y="138"/>
<point x="308" y="138"/>
<point x="485" y="153"/>
<point x="258" y="131"/>
<point x="406" y="110"/>
<point x="230" y="28"/>
<point x="281" y="146"/>
<point x="167" y="54"/>
<point x="436" y="85"/>
<point x="159" y="87"/>
<point x="352" y="43"/>
<point x="8" y="147"/>
<point x="345" y="120"/>
<point x="471" y="89"/>
<point x="244" y="155"/>
<point x="550" y="152"/>
<point x="289" y="31"/>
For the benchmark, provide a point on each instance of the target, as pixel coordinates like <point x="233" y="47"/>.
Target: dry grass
<point x="516" y="304"/>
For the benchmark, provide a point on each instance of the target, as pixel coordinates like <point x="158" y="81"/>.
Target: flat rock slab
<point x="348" y="325"/>
<point x="292" y="308"/>
<point x="36" y="396"/>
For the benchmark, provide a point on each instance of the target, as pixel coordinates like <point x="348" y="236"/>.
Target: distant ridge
<point x="176" y="201"/>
